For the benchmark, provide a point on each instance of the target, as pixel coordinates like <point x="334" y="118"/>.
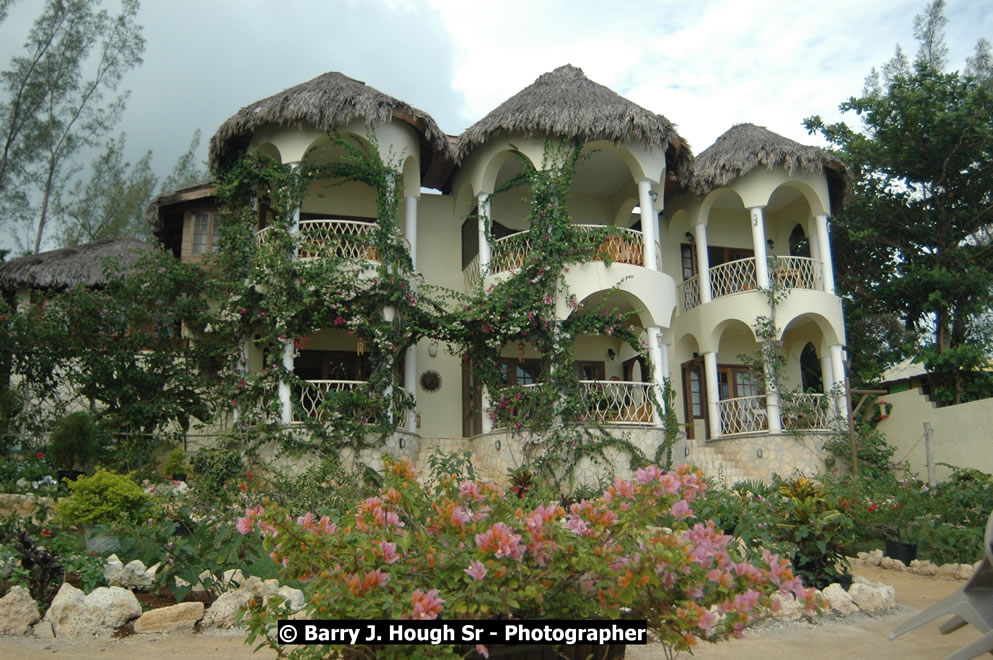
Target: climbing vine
<point x="276" y="300"/>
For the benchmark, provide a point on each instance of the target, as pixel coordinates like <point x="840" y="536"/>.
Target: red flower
<point x="40" y="455"/>
<point x="46" y="532"/>
<point x="872" y="507"/>
<point x="249" y="475"/>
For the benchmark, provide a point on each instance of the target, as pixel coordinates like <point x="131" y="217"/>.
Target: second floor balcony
<point x="333" y="238"/>
<point x="739" y="276"/>
<point x="624" y="246"/>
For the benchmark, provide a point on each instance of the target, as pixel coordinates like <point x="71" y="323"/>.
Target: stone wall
<point x="784" y="454"/>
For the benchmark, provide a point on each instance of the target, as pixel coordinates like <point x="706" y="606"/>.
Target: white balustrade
<point x="623" y="245"/>
<point x="688" y="293"/>
<point x="733" y="277"/>
<point x="805" y="412"/>
<point x="617" y="402"/>
<point x="332" y="238"/>
<point x="313" y="393"/>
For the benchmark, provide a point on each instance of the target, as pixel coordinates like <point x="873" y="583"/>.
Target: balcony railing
<point x="739" y="276"/>
<point x="313" y="393"/>
<point x="624" y="246"/>
<point x="745" y="414"/>
<point x="806" y="412"/>
<point x="618" y="402"/>
<point x="331" y="238"/>
<point x="471" y="274"/>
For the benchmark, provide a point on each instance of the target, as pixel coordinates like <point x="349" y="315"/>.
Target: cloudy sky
<point x="704" y="64"/>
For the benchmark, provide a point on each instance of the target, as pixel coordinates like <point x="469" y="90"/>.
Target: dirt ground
<point x="856" y="637"/>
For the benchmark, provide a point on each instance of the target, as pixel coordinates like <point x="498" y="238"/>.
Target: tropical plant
<point x="103" y="498"/>
<point x="73" y="441"/>
<point x="820" y="532"/>
<point x="465" y="550"/>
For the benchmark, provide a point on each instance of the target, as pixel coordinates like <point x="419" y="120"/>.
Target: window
<point x="205" y="233"/>
<point x="735" y="382"/>
<point x="590" y="370"/>
<point x="693" y="389"/>
<point x="515" y="372"/>
<point x="688" y="260"/>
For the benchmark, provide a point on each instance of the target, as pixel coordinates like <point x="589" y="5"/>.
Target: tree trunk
<point x="44" y="206"/>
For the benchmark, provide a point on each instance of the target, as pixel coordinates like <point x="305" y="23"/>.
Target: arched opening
<point x="799" y="243"/>
<point x="810" y="369"/>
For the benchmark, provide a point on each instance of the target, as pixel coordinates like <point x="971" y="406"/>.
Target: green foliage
<point x="103" y="498"/>
<point x="819" y="531"/>
<point x="214" y="469"/>
<point x="73" y="441"/>
<point x="175" y="463"/>
<point x="456" y="464"/>
<point x="874" y="453"/>
<point x="54" y="103"/>
<point x="912" y="248"/>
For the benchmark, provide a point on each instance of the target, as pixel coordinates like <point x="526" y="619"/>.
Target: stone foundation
<point x="782" y="454"/>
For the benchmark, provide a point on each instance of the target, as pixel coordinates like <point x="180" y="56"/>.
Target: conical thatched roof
<point x="746" y="146"/>
<point x="61" y="269"/>
<point x="566" y="103"/>
<point x="328" y="102"/>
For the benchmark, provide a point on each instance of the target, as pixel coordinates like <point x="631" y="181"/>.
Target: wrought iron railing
<point x="745" y="414"/>
<point x="688" y="293"/>
<point x="617" y="402"/>
<point x="733" y="277"/>
<point x="622" y="245"/>
<point x="797" y="272"/>
<point x="806" y="412"/>
<point x="313" y="393"/>
<point x="470" y="274"/>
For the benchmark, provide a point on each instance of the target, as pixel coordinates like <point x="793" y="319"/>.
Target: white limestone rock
<point x="292" y="598"/>
<point x="43" y="630"/>
<point x="872" y="597"/>
<point x="18" y="612"/>
<point x="165" y="619"/>
<point x="135" y="576"/>
<point x="75" y="615"/>
<point x="892" y="564"/>
<point x="872" y="558"/>
<point x="964" y="572"/>
<point x="788" y="607"/>
<point x="923" y="567"/>
<point x="225" y="609"/>
<point x="839" y="600"/>
<point x="112" y="570"/>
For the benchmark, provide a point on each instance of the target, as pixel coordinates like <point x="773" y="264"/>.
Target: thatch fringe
<point x="61" y="269"/>
<point x="746" y="146"/>
<point x="328" y="102"/>
<point x="566" y="103"/>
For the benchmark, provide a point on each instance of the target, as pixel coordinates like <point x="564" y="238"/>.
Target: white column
<point x="285" y="402"/>
<point x="648" y="223"/>
<point x="827" y="380"/>
<point x="772" y="407"/>
<point x="713" y="394"/>
<point x="410" y="384"/>
<point x="410" y="357"/>
<point x="295" y="226"/>
<point x="838" y="380"/>
<point x="702" y="262"/>
<point x="483" y="210"/>
<point x="824" y="245"/>
<point x="484" y="405"/>
<point x="815" y="253"/>
<point x="410" y="227"/>
<point x="758" y="244"/>
<point x="658" y="364"/>
<point x="241" y="366"/>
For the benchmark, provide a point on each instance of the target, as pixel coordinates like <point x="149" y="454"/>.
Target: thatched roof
<point x="61" y="269"/>
<point x="566" y="103"/>
<point x="328" y="103"/>
<point x="746" y="146"/>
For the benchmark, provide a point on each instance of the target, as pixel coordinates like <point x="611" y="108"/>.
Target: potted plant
<point x="175" y="466"/>
<point x="467" y="550"/>
<point x="899" y="516"/>
<point x="73" y="444"/>
<point x="99" y="501"/>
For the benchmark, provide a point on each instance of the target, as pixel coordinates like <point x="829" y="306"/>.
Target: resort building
<point x="700" y="244"/>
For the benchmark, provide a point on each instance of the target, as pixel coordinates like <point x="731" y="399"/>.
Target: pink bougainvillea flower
<point x="470" y="490"/>
<point x="501" y="541"/>
<point x="476" y="570"/>
<point x="482" y="650"/>
<point x="426" y="605"/>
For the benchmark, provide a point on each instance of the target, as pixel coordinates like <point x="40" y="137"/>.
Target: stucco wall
<point x="961" y="433"/>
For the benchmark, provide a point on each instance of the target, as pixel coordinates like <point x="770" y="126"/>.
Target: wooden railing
<point x="331" y="238"/>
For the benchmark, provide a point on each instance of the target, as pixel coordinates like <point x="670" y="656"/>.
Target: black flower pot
<point x="179" y="476"/>
<point x="905" y="552"/>
<point x="845" y="581"/>
<point x="69" y="475"/>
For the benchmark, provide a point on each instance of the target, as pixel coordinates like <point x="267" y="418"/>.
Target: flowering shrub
<point x="466" y="551"/>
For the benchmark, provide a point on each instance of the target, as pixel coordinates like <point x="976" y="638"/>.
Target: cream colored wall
<point x="961" y="433"/>
<point x="736" y="341"/>
<point x="354" y="199"/>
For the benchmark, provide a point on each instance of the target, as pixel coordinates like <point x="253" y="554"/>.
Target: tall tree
<point x="188" y="170"/>
<point x="111" y="204"/>
<point x="910" y="245"/>
<point x="61" y="96"/>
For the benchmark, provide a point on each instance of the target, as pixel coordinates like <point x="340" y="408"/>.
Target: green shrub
<point x="175" y="463"/>
<point x="73" y="441"/>
<point x="104" y="498"/>
<point x="213" y="469"/>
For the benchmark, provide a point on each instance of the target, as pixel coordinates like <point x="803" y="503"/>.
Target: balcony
<point x="800" y="412"/>
<point x="625" y="246"/>
<point x="739" y="276"/>
<point x="331" y="238"/>
<point x="618" y="402"/>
